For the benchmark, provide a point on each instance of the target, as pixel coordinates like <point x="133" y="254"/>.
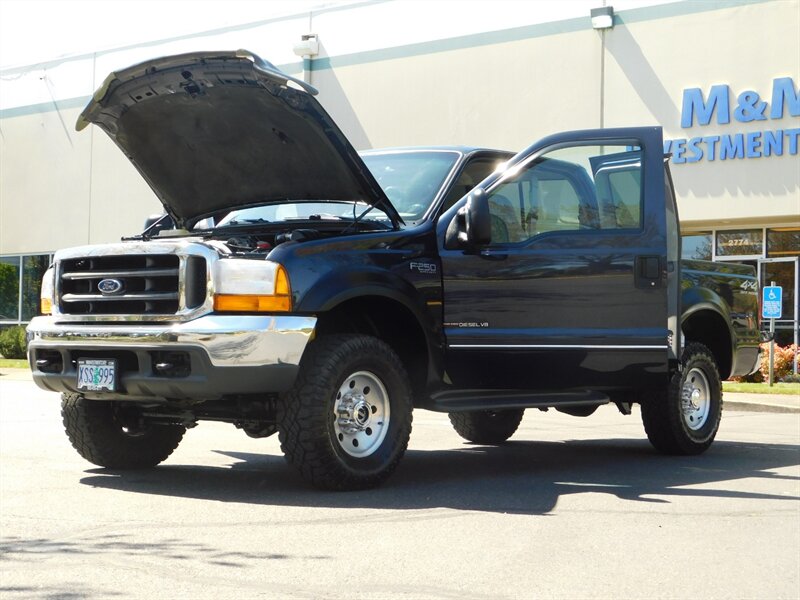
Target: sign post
<point x="772" y="308"/>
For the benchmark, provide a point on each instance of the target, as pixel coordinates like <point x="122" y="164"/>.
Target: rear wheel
<point x="346" y="423"/>
<point x="108" y="434"/>
<point x="487" y="426"/>
<point x="685" y="419"/>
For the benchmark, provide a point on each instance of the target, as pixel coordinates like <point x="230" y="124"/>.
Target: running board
<point x="470" y="400"/>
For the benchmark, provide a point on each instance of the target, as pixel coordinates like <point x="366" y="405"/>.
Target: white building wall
<point x="650" y="62"/>
<point x="500" y="74"/>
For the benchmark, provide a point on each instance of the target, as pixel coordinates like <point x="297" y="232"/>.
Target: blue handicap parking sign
<point x="772" y="302"/>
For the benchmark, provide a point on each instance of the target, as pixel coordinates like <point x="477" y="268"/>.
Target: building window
<point x="784" y="241"/>
<point x="745" y="242"/>
<point x="9" y="288"/>
<point x="696" y="246"/>
<point x="20" y="284"/>
<point x="33" y="268"/>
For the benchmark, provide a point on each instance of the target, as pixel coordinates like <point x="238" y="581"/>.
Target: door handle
<point x="647" y="272"/>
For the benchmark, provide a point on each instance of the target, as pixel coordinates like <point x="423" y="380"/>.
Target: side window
<point x="476" y="171"/>
<point x="570" y="189"/>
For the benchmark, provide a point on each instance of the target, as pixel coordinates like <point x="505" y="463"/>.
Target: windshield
<point x="411" y="180"/>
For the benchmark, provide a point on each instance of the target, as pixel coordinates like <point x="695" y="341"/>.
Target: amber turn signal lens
<point x="45" y="306"/>
<point x="251" y="303"/>
<point x="282" y="287"/>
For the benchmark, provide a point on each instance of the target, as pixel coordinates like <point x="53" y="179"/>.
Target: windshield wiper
<point x="168" y="234"/>
<point x="357" y="219"/>
<point x="246" y="221"/>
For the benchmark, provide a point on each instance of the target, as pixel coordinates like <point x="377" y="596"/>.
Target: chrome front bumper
<point x="228" y="354"/>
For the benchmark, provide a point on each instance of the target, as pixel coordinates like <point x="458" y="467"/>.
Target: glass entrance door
<point x="785" y="272"/>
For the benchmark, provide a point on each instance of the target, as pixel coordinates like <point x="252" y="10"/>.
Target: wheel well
<point x="710" y="329"/>
<point x="388" y="320"/>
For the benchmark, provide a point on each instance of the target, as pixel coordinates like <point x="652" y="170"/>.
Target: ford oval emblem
<point x="109" y="287"/>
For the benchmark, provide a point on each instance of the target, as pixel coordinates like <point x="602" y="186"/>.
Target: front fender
<point x="340" y="285"/>
<point x="348" y="283"/>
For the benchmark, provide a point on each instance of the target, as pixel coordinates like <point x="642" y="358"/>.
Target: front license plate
<point x="97" y="375"/>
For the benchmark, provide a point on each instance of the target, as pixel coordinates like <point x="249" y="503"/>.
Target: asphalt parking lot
<point x="571" y="508"/>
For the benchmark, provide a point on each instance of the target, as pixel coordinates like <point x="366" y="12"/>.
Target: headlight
<point x="242" y="285"/>
<point x="46" y="298"/>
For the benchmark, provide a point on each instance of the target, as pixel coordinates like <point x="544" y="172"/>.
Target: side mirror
<point x="479" y="219"/>
<point x="155" y="223"/>
<point x="472" y="225"/>
<point x="151" y="220"/>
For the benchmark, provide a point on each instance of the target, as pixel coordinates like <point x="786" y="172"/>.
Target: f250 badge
<point x="423" y="267"/>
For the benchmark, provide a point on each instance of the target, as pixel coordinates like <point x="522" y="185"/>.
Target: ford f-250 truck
<point x="299" y="288"/>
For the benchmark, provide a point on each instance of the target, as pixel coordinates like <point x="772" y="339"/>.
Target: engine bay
<point x="264" y="243"/>
<point x="259" y="236"/>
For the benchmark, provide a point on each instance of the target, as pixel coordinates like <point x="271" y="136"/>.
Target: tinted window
<point x="696" y="246"/>
<point x="33" y="268"/>
<point x="740" y="243"/>
<point x="570" y="189"/>
<point x="12" y="298"/>
<point x="783" y="241"/>
<point x="9" y="288"/>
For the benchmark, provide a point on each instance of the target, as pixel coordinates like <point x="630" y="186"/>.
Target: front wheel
<point x="109" y="434"/>
<point x="346" y="423"/>
<point x="686" y="418"/>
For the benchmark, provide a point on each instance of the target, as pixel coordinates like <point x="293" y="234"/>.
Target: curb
<point x="742" y="406"/>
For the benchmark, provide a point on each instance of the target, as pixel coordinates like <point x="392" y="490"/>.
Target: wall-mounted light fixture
<point x="308" y="46"/>
<point x="603" y="17"/>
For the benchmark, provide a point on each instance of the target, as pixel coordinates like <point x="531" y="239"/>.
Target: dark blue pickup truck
<point x="299" y="288"/>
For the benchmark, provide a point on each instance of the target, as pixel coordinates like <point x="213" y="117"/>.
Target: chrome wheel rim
<point x="361" y="414"/>
<point x="695" y="399"/>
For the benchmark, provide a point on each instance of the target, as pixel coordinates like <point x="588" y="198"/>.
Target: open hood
<point x="212" y="131"/>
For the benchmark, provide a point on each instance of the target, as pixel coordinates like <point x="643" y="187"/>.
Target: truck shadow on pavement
<point x="519" y="477"/>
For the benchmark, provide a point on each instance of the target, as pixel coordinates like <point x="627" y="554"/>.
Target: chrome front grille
<point x="131" y="284"/>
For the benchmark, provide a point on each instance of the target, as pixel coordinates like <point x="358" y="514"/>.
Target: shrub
<point x="783" y="370"/>
<point x="13" y="343"/>
<point x="784" y="361"/>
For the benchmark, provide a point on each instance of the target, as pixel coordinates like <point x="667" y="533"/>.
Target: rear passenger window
<point x="624" y="188"/>
<point x="580" y="188"/>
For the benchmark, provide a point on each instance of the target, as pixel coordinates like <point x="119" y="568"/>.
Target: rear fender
<point x="699" y="303"/>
